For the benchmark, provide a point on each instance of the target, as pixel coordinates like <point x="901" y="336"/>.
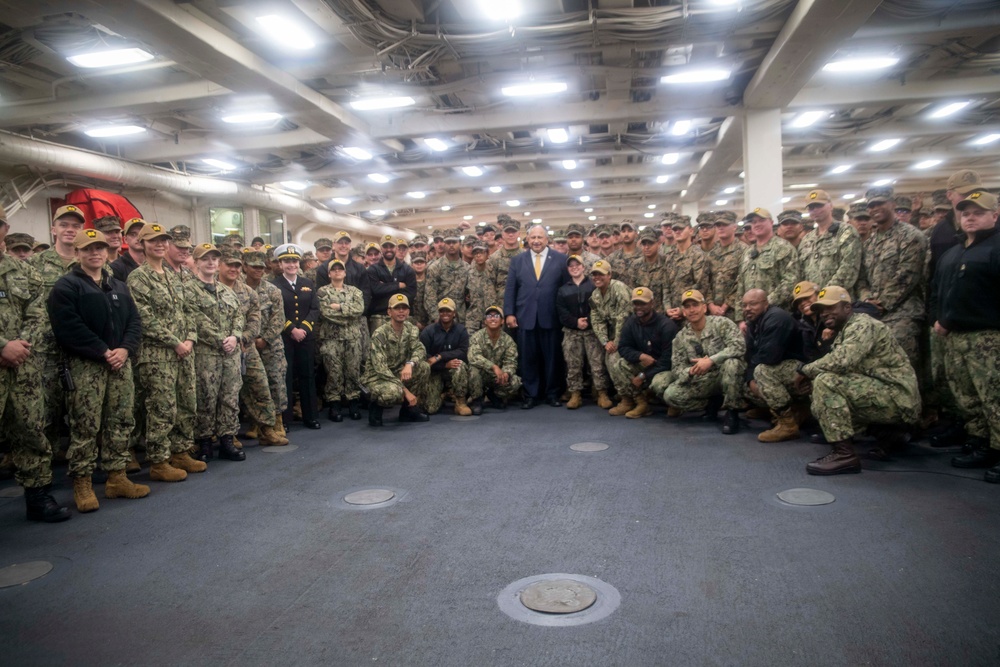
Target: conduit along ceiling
<point x="421" y="113"/>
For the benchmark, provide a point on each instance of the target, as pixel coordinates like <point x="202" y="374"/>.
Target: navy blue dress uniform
<point x="301" y="304"/>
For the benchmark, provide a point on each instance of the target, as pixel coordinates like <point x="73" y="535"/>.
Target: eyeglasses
<point x="493" y="315"/>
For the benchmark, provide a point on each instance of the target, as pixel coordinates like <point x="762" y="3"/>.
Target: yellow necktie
<point x="538" y="266"/>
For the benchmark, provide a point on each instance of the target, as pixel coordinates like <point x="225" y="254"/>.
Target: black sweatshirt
<point x="89" y="319"/>
<point x="384" y="284"/>
<point x="772" y="338"/>
<point x="573" y="302"/>
<point x="655" y="338"/>
<point x="964" y="294"/>
<point x="451" y="344"/>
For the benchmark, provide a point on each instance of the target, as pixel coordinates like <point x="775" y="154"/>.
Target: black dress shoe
<point x="334" y="413"/>
<point x="477" y="407"/>
<point x="712" y="409"/>
<point x="731" y="422"/>
<point x="41" y="506"/>
<point x="979" y="458"/>
<point x="374" y="415"/>
<point x="554" y="401"/>
<point x="355" y="410"/>
<point x="409" y="413"/>
<point x="228" y="450"/>
<point x="313" y="424"/>
<point x="528" y="403"/>
<point x="953" y="436"/>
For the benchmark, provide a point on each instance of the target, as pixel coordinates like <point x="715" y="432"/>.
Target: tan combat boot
<point x="623" y="407"/>
<point x="83" y="494"/>
<point x="674" y="412"/>
<point x="269" y="437"/>
<point x="120" y="486"/>
<point x="604" y="401"/>
<point x="187" y="464"/>
<point x="164" y="472"/>
<point x="133" y="462"/>
<point x="253" y="433"/>
<point x="237" y="443"/>
<point x="641" y="408"/>
<point x="575" y="400"/>
<point x="461" y="408"/>
<point x="785" y="428"/>
<point x="279" y="426"/>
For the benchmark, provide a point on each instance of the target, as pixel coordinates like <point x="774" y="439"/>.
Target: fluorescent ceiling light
<point x="343" y="201"/>
<point x="496" y="189"/>
<point x="724" y="3"/>
<point x="988" y="139"/>
<point x="807" y="118"/>
<point x="448" y="208"/>
<point x="884" y="145"/>
<point x="662" y="179"/>
<point x="729" y="191"/>
<point x="588" y="210"/>
<point x="697" y="76"/>
<point x="252" y="117"/>
<point x="110" y="58"/>
<point x="927" y="164"/>
<point x="721" y="202"/>
<point x="219" y="164"/>
<point x="803" y="186"/>
<point x="500" y="11"/>
<point x="114" y="131"/>
<point x="841" y="168"/>
<point x="680" y="128"/>
<point x="379" y="178"/>
<point x="849" y="195"/>
<point x="647" y="215"/>
<point x="651" y="207"/>
<point x="670" y="158"/>
<point x="286" y="33"/>
<point x="592" y="217"/>
<point x="358" y="153"/>
<point x="883" y="181"/>
<point x="472" y="171"/>
<point x="527" y="214"/>
<point x="569" y="164"/>
<point x="536" y="221"/>
<point x="585" y="198"/>
<point x="416" y="194"/>
<point x="436" y="145"/>
<point x="379" y="103"/>
<point x="785" y="200"/>
<point x="466" y="217"/>
<point x="577" y="185"/>
<point x="860" y="64"/>
<point x="294" y="185"/>
<point x="558" y="135"/>
<point x="949" y="109"/>
<point x="513" y="203"/>
<point x="534" y="88"/>
<point x="684" y="193"/>
<point x="377" y="212"/>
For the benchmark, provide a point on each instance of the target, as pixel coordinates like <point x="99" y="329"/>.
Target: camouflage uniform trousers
<point x="54" y="397"/>
<point x="256" y="391"/>
<point x="23" y="423"/>
<point x="938" y="392"/>
<point x="273" y="358"/>
<point x="456" y="379"/>
<point x="390" y="392"/>
<point x="579" y="347"/>
<point x="480" y="381"/>
<point x="342" y="360"/>
<point x="907" y="331"/>
<point x="775" y="384"/>
<point x="846" y="404"/>
<point x="622" y="372"/>
<point x="972" y="363"/>
<point x="102" y="406"/>
<point x="171" y="406"/>
<point x="365" y="340"/>
<point x="691" y="392"/>
<point x="219" y="383"/>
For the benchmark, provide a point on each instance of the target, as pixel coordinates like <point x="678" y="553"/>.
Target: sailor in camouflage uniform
<point x="269" y="343"/>
<point x="179" y="252"/>
<point x="447" y="345"/>
<point x="831" y="253"/>
<point x="231" y="241"/>
<point x="651" y="270"/>
<point x="397" y="371"/>
<point x="493" y="363"/>
<point x="689" y="268"/>
<point x="447" y="278"/>
<point x="478" y="287"/>
<point x="215" y="313"/>
<point x="498" y="264"/>
<point x="341" y="307"/>
<point x="19" y="246"/>
<point x="324" y="253"/>
<point x="575" y="234"/>
<point x="724" y="261"/>
<point x="610" y="305"/>
<point x="418" y="315"/>
<point x="770" y="264"/>
<point x="628" y="254"/>
<point x="708" y="360"/>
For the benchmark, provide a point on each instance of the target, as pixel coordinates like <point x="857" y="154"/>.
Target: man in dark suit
<point x="301" y="303"/>
<point x="533" y="281"/>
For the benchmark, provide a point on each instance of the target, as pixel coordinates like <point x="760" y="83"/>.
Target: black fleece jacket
<point x="89" y="319"/>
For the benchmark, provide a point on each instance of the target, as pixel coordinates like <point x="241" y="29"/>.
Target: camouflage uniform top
<point x="688" y="270"/>
<point x="894" y="269"/>
<point x="340" y="324"/>
<point x="833" y="258"/>
<point x="478" y="287"/>
<point x="725" y="262"/>
<point x="389" y="352"/>
<point x="498" y="266"/>
<point x="484" y="353"/>
<point x="250" y="308"/>
<point x="49" y="267"/>
<point x="773" y="268"/>
<point x="654" y="275"/>
<point x="868" y="347"/>
<point x="159" y="298"/>
<point x="446" y="278"/>
<point x="622" y="265"/>
<point x="609" y="311"/>
<point x="417" y="312"/>
<point x="272" y="312"/>
<point x="216" y="313"/>
<point x="588" y="259"/>
<point x="185" y="274"/>
<point x="720" y="341"/>
<point x="22" y="311"/>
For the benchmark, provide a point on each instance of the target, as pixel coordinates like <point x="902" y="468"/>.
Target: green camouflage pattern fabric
<point x="498" y="266"/>
<point x="724" y="263"/>
<point x="723" y="343"/>
<point x="255" y="395"/>
<point x="446" y="279"/>
<point x="387" y="355"/>
<point x="102" y="405"/>
<point x="272" y="321"/>
<point x="654" y="275"/>
<point x="972" y="363"/>
<point x="864" y="379"/>
<point x="455" y="379"/>
<point x="832" y="258"/>
<point x="588" y="259"/>
<point x="609" y="310"/>
<point x="622" y="266"/>
<point x="483" y="355"/>
<point x="775" y="269"/>
<point x="418" y="314"/>
<point x="580" y="348"/>
<point x="688" y="270"/>
<point x="340" y="345"/>
<point x="775" y="383"/>
<point x="622" y="372"/>
<point x="894" y="271"/>
<point x="478" y="288"/>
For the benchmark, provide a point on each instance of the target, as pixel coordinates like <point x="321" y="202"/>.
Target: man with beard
<point x="575" y="246"/>
<point x="388" y="277"/>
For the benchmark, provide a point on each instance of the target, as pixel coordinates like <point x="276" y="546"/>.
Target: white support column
<point x="690" y="208"/>
<point x="762" y="184"/>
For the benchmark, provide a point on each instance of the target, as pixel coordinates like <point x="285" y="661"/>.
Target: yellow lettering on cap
<point x="71" y="208"/>
<point x="399" y="297"/>
<point x="822" y="293"/>
<point x="206" y="246"/>
<point x="756" y="210"/>
<point x="91" y="233"/>
<point x="975" y="195"/>
<point x="798" y="288"/>
<point x="638" y="292"/>
<point x="812" y="195"/>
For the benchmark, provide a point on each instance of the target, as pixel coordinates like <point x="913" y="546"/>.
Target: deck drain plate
<point x="807" y="497"/>
<point x="589" y="447"/>
<point x="369" y="497"/>
<point x="12" y="492"/>
<point x="464" y="418"/>
<point x="280" y="449"/>
<point x="558" y="600"/>
<point x="22" y="573"/>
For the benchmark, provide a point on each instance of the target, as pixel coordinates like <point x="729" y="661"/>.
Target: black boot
<point x="333" y="412"/>
<point x="731" y="422"/>
<point x="982" y="456"/>
<point x="204" y="452"/>
<point x="712" y="409"/>
<point x="953" y="436"/>
<point x="892" y="440"/>
<point x="477" y="407"/>
<point x="355" y="409"/>
<point x="42" y="506"/>
<point x="227" y="450"/>
<point x="374" y="414"/>
<point x="993" y="475"/>
<point x="412" y="414"/>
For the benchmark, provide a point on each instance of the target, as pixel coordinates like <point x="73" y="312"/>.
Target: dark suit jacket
<point x="533" y="301"/>
<point x="301" y="305"/>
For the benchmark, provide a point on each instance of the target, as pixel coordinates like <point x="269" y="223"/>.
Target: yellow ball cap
<point x="642" y="295"/>
<point x="89" y="237"/>
<point x="831" y="295"/>
<point x="399" y="300"/>
<point x="600" y="266"/>
<point x="692" y="295"/>
<point x="446" y="304"/>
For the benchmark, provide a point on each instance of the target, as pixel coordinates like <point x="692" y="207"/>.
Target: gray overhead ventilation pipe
<point x="18" y="149"/>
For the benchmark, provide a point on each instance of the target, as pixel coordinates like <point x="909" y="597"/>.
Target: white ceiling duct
<point x="17" y="149"/>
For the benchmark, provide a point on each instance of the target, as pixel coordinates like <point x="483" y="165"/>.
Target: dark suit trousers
<point x="301" y="358"/>
<point x="540" y="355"/>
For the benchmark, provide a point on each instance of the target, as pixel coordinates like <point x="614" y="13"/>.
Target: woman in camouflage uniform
<point x="341" y="306"/>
